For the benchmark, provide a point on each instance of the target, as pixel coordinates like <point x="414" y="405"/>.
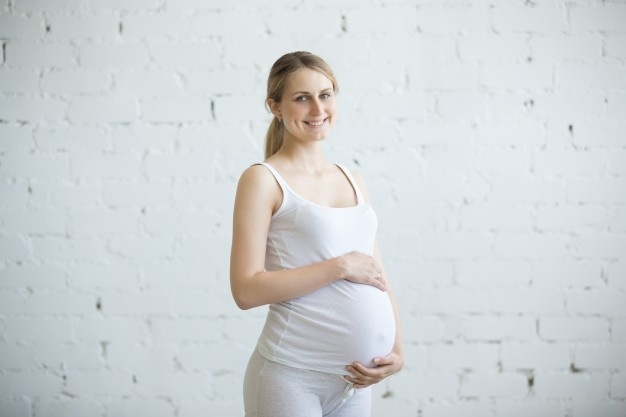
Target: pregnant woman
<point x="304" y="242"/>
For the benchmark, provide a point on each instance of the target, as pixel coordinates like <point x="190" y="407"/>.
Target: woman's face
<point x="307" y="108"/>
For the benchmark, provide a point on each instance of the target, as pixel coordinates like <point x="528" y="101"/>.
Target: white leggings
<point x="274" y="390"/>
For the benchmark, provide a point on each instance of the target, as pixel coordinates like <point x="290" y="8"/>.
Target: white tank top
<point x="339" y="323"/>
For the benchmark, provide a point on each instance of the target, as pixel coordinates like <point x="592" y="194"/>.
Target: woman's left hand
<point x="362" y="376"/>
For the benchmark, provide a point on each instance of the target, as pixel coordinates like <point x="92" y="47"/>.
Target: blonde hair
<point x="279" y="75"/>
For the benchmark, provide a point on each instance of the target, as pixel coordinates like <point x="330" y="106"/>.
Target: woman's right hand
<point x="361" y="268"/>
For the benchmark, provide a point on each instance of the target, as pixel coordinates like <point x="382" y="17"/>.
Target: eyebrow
<point x="307" y="93"/>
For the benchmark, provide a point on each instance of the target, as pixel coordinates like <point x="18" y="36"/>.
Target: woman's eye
<point x="301" y="98"/>
<point x="325" y="96"/>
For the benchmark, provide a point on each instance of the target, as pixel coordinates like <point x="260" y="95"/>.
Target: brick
<point x="532" y="245"/>
<point x="470" y="356"/>
<point x="609" y="133"/>
<point x="55" y="357"/>
<point x="177" y="384"/>
<point x="87" y="276"/>
<point x="477" y="273"/>
<point x="219" y="81"/>
<point x="459" y="408"/>
<point x="227" y="23"/>
<point x="179" y="166"/>
<point x="104" y="222"/>
<point x="615" y="166"/>
<point x="109" y="166"/>
<point x="13" y="195"/>
<point x="126" y="5"/>
<point x="571" y="218"/>
<point x="137" y="138"/>
<point x="463" y="18"/>
<point x="173" y="222"/>
<point x="520" y="133"/>
<point x="148" y="83"/>
<point x="23" y="109"/>
<point x="43" y="5"/>
<point x="262" y="51"/>
<point x="455" y="106"/>
<point x="568" y="47"/>
<point x="596" y="407"/>
<point x="618" y="386"/>
<point x="15" y="249"/>
<point x="615" y="46"/>
<point x="598" y="302"/>
<point x="615" y="274"/>
<point x="503" y="161"/>
<point x="532" y="407"/>
<point x="157" y="25"/>
<point x="573" y="329"/>
<point x="186" y="55"/>
<point x="284" y="22"/>
<point x="33" y="221"/>
<point x="85" y="26"/>
<point x="75" y="82"/>
<point x="130" y="356"/>
<point x="570" y="385"/>
<point x="367" y="20"/>
<point x="18" y="407"/>
<point x="177" y="110"/>
<point x="136" y="195"/>
<point x="37" y="55"/>
<point x="489" y="328"/>
<point x="16" y="26"/>
<point x="31" y="166"/>
<point x="398" y="106"/>
<point x="66" y="249"/>
<point x="569" y="106"/>
<point x="33" y="277"/>
<point x="18" y="81"/>
<point x="238" y="108"/>
<point x="109" y="330"/>
<point x="596" y="190"/>
<point x="606" y="357"/>
<point x="38" y="329"/>
<point x="195" y="329"/>
<point x="539" y="190"/>
<point x="47" y="407"/>
<point x="16" y="138"/>
<point x="113" y="55"/>
<point x="435" y="134"/>
<point x="458" y="245"/>
<point x="517" y="76"/>
<point x="616" y="104"/>
<point x="141" y="248"/>
<point x="417" y="50"/>
<point x="487" y="47"/>
<point x="15" y="384"/>
<point x="485" y="384"/>
<point x="112" y="110"/>
<point x="567" y="273"/>
<point x="64" y="195"/>
<point x="72" y="139"/>
<point x="617" y="221"/>
<point x="536" y="356"/>
<point x="425" y="384"/>
<point x="569" y="162"/>
<point x="529" y="19"/>
<point x="604" y="17"/>
<point x="443" y="77"/>
<point x="598" y="77"/>
<point x="100" y="384"/>
<point x="129" y="407"/>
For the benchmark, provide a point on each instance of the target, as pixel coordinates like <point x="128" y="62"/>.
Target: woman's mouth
<point x="316" y="123"/>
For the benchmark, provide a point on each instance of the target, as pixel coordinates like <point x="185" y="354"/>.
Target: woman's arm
<point x="258" y="196"/>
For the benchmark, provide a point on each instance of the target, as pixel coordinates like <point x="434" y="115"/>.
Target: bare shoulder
<point x="258" y="183"/>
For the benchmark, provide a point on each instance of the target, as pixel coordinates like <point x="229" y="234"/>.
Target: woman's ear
<point x="274" y="107"/>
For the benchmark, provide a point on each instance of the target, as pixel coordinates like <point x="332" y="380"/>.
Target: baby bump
<point x="347" y="322"/>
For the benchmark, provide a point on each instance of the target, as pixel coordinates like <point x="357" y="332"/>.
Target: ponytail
<point x="273" y="137"/>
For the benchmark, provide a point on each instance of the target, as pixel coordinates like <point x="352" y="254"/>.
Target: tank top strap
<point x="281" y="181"/>
<point x="357" y="190"/>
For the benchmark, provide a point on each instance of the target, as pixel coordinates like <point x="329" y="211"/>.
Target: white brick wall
<point x="493" y="137"/>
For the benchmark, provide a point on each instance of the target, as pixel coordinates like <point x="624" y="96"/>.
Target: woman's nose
<point x="316" y="106"/>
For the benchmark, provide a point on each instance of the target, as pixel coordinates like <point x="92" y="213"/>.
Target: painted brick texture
<point x="492" y="135"/>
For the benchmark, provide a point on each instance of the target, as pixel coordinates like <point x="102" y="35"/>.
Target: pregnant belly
<point x="331" y="328"/>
